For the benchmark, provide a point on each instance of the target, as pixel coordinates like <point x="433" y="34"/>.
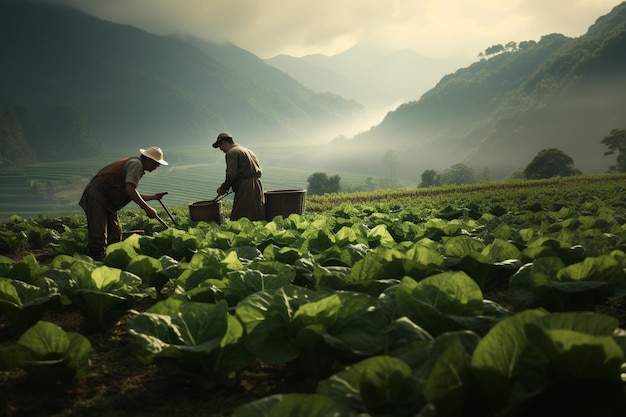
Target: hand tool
<point x="219" y="197"/>
<point x="167" y="210"/>
<point x="162" y="222"/>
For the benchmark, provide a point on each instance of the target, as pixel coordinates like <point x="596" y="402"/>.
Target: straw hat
<point x="155" y="153"/>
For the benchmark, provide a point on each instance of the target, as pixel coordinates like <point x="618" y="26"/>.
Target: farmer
<point x="113" y="187"/>
<point x="243" y="175"/>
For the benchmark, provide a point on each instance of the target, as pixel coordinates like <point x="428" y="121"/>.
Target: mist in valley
<point x="369" y="112"/>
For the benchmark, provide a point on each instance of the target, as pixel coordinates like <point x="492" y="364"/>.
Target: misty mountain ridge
<point x="127" y="86"/>
<point x="498" y="113"/>
<point x="373" y="75"/>
<point x="118" y="85"/>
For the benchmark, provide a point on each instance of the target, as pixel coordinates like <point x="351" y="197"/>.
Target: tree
<point x="320" y="183"/>
<point x="550" y="162"/>
<point x="511" y="46"/>
<point x="616" y="142"/>
<point x="526" y="44"/>
<point x="494" y="49"/>
<point x="458" y="174"/>
<point x="430" y="178"/>
<point x="333" y="185"/>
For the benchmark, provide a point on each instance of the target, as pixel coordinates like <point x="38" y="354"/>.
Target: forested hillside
<point x="120" y="85"/>
<point x="71" y="84"/>
<point x="501" y="111"/>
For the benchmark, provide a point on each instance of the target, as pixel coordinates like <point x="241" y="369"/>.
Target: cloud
<point x="436" y="28"/>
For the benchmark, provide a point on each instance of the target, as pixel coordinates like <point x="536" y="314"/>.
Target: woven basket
<point x="128" y="233"/>
<point x="208" y="211"/>
<point x="283" y="203"/>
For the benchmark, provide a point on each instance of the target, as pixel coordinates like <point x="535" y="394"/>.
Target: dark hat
<point x="221" y="137"/>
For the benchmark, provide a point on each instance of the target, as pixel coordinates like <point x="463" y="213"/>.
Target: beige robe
<point x="243" y="175"/>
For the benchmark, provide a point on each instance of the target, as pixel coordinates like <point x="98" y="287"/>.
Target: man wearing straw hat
<point x="112" y="188"/>
<point x="243" y="175"/>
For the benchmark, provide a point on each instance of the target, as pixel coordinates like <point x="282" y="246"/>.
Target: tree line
<point x="548" y="163"/>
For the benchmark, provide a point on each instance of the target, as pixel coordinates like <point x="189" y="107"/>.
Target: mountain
<point x="71" y="83"/>
<point x="373" y="75"/>
<point x="133" y="87"/>
<point x="498" y="113"/>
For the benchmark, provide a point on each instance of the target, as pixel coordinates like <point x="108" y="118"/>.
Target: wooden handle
<point x="162" y="222"/>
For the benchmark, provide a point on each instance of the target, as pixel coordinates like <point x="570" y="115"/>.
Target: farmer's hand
<point x="159" y="196"/>
<point x="219" y="191"/>
<point x="151" y="213"/>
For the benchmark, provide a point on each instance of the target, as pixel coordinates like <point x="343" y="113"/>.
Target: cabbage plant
<point x="23" y="303"/>
<point x="548" y="282"/>
<point x="194" y="340"/>
<point x="49" y="354"/>
<point x="537" y="363"/>
<point x="101" y="293"/>
<point x="310" y="331"/>
<point x="433" y="378"/>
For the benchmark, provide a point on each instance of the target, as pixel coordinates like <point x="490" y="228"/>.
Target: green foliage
<point x="458" y="174"/>
<point x="16" y="150"/>
<point x="378" y="303"/>
<point x="311" y="331"/>
<point x="302" y="405"/>
<point x="62" y="134"/>
<point x="551" y="162"/>
<point x="459" y="373"/>
<point x="443" y="302"/>
<point x="26" y="270"/>
<point x="101" y="293"/>
<point x="320" y="183"/>
<point x="191" y="340"/>
<point x="24" y="304"/>
<point x="51" y="355"/>
<point x="616" y="144"/>
<point x="41" y="232"/>
<point x="430" y="178"/>
<point x="571" y="356"/>
<point x="494" y="49"/>
<point x="549" y="283"/>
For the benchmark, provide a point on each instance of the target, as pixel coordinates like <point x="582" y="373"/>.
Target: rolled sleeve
<point x="134" y="171"/>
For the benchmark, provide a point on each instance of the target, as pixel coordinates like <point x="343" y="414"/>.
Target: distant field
<point x="53" y="189"/>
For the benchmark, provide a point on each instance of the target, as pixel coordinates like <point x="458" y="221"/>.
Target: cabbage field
<point x="497" y="299"/>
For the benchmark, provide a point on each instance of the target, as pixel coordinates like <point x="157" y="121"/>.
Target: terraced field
<point x="53" y="189"/>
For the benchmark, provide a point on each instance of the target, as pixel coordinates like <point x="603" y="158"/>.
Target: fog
<point x="435" y="28"/>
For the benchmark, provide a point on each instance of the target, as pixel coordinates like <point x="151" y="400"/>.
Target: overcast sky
<point x="436" y="28"/>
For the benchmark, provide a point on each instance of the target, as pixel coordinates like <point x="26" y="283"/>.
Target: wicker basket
<point x="208" y="211"/>
<point x="128" y="233"/>
<point x="283" y="203"/>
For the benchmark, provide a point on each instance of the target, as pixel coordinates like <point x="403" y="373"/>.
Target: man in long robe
<point x="243" y="175"/>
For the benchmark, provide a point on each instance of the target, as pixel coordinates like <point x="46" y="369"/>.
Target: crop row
<point x="381" y="305"/>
